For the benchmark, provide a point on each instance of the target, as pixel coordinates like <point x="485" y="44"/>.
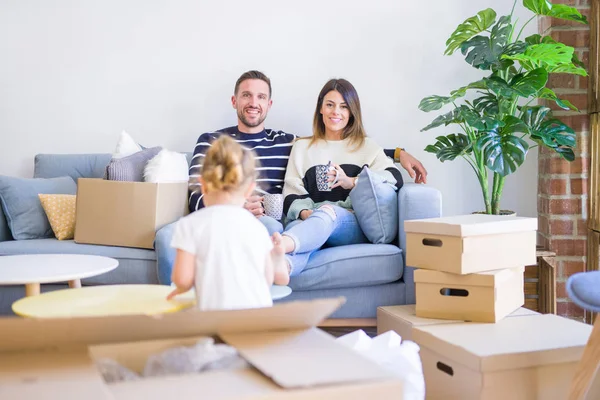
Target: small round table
<point x="33" y="269"/>
<point x="108" y="300"/>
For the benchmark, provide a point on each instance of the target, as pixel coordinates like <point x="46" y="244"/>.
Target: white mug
<point x="273" y="205"/>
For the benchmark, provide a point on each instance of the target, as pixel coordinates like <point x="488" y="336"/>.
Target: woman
<point x="322" y="171"/>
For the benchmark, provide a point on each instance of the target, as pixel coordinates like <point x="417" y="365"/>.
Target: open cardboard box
<point x="290" y="358"/>
<point x="126" y="214"/>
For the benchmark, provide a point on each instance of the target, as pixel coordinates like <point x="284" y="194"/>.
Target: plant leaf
<point x="543" y="7"/>
<point x="512" y="125"/>
<point x="447" y="148"/>
<point x="478" y="122"/>
<point x="502" y="153"/>
<point x="487" y="104"/>
<point x="543" y="54"/>
<point x="451" y="117"/>
<point x="534" y="116"/>
<point x="499" y="86"/>
<point x="566" y="153"/>
<point x="529" y="83"/>
<point x="469" y="28"/>
<point x="549" y="94"/>
<point x="483" y="52"/>
<point x="567" y="69"/>
<point x="432" y="103"/>
<point x="555" y="133"/>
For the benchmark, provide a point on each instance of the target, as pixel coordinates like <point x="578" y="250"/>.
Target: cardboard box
<point x="482" y="297"/>
<point x="403" y="320"/>
<point x="532" y="357"/>
<point x="472" y="243"/>
<point x="126" y="213"/>
<point x="290" y="358"/>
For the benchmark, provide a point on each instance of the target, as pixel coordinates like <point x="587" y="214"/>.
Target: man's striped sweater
<point x="271" y="147"/>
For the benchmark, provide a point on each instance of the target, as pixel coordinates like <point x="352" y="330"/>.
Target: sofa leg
<point x="32" y="289"/>
<point x="75" y="283"/>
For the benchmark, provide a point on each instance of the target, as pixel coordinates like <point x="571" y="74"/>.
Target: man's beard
<point x="249" y="124"/>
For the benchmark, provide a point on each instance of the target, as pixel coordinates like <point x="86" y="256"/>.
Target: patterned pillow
<point x="130" y="168"/>
<point x="60" y="210"/>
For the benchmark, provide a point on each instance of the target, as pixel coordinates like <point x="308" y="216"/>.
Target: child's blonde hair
<point x="227" y="165"/>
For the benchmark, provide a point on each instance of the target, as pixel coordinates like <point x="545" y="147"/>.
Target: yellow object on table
<point x="102" y="301"/>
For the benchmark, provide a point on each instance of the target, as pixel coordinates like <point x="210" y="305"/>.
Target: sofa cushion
<point x="73" y="165"/>
<point x="135" y="265"/>
<point x="60" y="210"/>
<point x="350" y="266"/>
<point x="375" y="203"/>
<point x="21" y="204"/>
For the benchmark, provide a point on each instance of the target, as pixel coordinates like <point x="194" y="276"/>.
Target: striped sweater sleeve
<point x="195" y="195"/>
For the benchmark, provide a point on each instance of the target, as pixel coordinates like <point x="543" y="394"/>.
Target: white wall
<point x="73" y="74"/>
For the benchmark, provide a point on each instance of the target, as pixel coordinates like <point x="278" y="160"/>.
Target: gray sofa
<point x="368" y="275"/>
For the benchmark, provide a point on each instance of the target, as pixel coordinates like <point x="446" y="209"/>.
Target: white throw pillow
<point x="167" y="166"/>
<point x="126" y="146"/>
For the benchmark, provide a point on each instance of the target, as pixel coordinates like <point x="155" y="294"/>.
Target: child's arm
<point x="269" y="269"/>
<point x="184" y="271"/>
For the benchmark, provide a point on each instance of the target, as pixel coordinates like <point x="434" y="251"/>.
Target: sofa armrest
<point x="415" y="202"/>
<point x="4" y="230"/>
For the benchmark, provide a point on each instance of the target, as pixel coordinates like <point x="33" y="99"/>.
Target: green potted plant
<point x="498" y="121"/>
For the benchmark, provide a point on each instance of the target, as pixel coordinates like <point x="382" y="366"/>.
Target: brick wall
<point x="562" y="186"/>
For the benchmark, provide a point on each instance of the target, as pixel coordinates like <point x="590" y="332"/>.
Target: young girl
<point x="222" y="249"/>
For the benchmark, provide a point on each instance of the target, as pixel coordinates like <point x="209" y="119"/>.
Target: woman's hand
<point x="305" y="214"/>
<point x="415" y="169"/>
<point x="343" y="180"/>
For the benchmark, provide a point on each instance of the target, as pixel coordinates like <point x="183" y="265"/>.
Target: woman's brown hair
<point x="354" y="130"/>
<point x="227" y="165"/>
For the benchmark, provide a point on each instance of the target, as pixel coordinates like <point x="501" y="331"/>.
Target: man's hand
<point x="254" y="205"/>
<point x="415" y="169"/>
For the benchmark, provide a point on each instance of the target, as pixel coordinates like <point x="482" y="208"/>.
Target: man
<point x="252" y="101"/>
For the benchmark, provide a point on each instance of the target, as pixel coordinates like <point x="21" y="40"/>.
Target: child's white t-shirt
<point x="231" y="248"/>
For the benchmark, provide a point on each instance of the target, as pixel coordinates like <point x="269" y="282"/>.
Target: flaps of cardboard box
<point x="35" y="334"/>
<point x="310" y="351"/>
<point x="511" y="343"/>
<point x="471" y="225"/>
<point x="489" y="278"/>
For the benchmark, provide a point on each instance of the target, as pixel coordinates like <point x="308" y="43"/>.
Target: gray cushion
<point x="584" y="289"/>
<point x="73" y="165"/>
<point x="135" y="265"/>
<point x="130" y="168"/>
<point x="375" y="204"/>
<point x="21" y="205"/>
<point x="350" y="266"/>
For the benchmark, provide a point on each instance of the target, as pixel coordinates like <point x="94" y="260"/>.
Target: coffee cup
<point x="273" y="205"/>
<point x="322" y="177"/>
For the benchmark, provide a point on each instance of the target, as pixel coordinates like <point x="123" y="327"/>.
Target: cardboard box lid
<point x="279" y="341"/>
<point x="407" y="314"/>
<point x="488" y="278"/>
<point x="471" y="225"/>
<point x="35" y="334"/>
<point x="509" y="344"/>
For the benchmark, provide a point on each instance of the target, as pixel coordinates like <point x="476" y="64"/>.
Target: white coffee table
<point x="33" y="269"/>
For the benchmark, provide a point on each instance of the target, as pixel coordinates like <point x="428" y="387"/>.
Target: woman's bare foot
<point x="281" y="268"/>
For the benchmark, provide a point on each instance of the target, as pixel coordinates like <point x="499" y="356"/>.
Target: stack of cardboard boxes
<point x="469" y="278"/>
